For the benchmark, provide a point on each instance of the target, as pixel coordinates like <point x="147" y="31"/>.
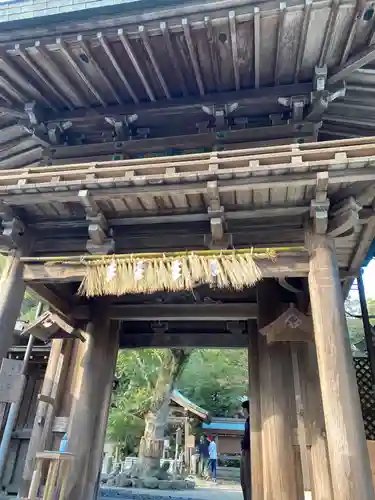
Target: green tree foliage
<point x="214" y="379"/>
<point x="353" y="316"/>
<point x="137" y="371"/>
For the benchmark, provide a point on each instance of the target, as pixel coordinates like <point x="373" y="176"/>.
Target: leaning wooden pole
<point x="349" y="459"/>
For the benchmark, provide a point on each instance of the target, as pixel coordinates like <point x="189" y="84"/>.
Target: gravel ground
<point x="206" y="492"/>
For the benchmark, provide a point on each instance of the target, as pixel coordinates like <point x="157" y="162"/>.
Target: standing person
<point x="245" y="456"/>
<point x="204" y="457"/>
<point x="212" y="450"/>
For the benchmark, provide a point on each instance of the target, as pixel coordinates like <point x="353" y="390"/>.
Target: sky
<point x="369" y="280"/>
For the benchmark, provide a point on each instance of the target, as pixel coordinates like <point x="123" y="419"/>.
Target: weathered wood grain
<point x="349" y="460"/>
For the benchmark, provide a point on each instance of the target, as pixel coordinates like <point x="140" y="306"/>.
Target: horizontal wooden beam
<point x="176" y="218"/>
<point x="183" y="340"/>
<point x="348" y="175"/>
<point x="179" y="105"/>
<point x="356" y="62"/>
<point x="177" y="312"/>
<point x="291" y="265"/>
<point x="183" y="142"/>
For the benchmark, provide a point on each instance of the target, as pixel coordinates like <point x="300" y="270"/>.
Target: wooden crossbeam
<point x="188" y="166"/>
<point x="179" y="312"/>
<point x="356" y="62"/>
<point x="133" y="177"/>
<point x="183" y="340"/>
<point x="348" y="175"/>
<point x="36" y="274"/>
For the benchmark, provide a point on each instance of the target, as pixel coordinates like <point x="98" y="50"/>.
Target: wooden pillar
<point x="92" y="386"/>
<point x="281" y="469"/>
<point x="36" y="442"/>
<point x="348" y="454"/>
<point x="320" y="476"/>
<point x="12" y="290"/>
<point x="257" y="491"/>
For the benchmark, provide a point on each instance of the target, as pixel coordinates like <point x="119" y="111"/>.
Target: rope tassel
<point x="124" y="274"/>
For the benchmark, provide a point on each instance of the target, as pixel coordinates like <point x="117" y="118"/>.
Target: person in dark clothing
<point x="204" y="457"/>
<point x="245" y="454"/>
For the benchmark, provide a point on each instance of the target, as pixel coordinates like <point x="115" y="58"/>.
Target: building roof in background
<point x="181" y="400"/>
<point x="227" y="424"/>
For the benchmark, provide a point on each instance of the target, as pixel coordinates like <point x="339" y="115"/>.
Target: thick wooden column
<point x="257" y="491"/>
<point x="12" y="290"/>
<point x="349" y="459"/>
<point x="281" y="468"/>
<point x="321" y="485"/>
<point x="91" y="391"/>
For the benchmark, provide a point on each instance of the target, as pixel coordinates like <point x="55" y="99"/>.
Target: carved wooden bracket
<point x="320" y="206"/>
<point x="291" y="326"/>
<point x="218" y="239"/>
<point x="99" y="240"/>
<point x="14" y="231"/>
<point x="344" y="218"/>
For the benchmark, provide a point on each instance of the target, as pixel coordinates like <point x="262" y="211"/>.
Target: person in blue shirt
<point x="245" y="454"/>
<point x="212" y="450"/>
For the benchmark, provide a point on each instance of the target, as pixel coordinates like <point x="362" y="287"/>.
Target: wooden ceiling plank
<point x="234" y="48"/>
<point x="172" y="56"/>
<point x="256" y="47"/>
<point x="142" y="30"/>
<point x="356" y="62"/>
<point x="280" y="34"/>
<point x="34" y="93"/>
<point x="128" y="48"/>
<point x="85" y="47"/>
<point x="68" y="55"/>
<point x="357" y="17"/>
<point x="27" y="60"/>
<point x="12" y="90"/>
<point x="212" y="50"/>
<point x="107" y="49"/>
<point x="302" y="39"/>
<point x="13" y="112"/>
<point x="66" y="86"/>
<point x="335" y="7"/>
<point x="193" y="55"/>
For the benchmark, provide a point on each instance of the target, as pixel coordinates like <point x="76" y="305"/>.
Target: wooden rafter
<point x="356" y="62"/>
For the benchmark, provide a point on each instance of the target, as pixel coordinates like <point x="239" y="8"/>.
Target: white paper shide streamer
<point x="214" y="266"/>
<point x="111" y="271"/>
<point x="176" y="270"/>
<point x="139" y="270"/>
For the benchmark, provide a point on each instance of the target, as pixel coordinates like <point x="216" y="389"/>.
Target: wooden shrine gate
<point x="146" y="300"/>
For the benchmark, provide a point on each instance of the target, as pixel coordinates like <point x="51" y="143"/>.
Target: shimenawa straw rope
<point x="125" y="274"/>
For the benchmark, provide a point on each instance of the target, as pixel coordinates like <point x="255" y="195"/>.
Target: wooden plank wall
<point x="21" y="435"/>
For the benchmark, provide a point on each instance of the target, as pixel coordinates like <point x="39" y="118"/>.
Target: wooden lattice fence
<point x="366" y="394"/>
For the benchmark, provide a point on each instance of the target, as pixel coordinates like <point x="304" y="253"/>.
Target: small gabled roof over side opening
<point x="188" y="405"/>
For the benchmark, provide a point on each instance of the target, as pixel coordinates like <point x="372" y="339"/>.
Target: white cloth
<point x="212" y="450"/>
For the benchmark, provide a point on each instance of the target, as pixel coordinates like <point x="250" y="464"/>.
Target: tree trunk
<point x="152" y="442"/>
